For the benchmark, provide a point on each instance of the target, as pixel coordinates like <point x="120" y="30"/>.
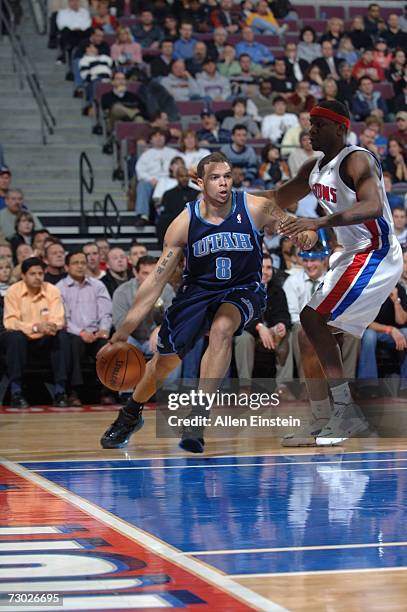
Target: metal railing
<point x="110" y="215"/>
<point x="24" y="67"/>
<point x="39" y="12"/>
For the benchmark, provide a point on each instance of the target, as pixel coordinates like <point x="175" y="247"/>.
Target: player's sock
<point x="321" y="409"/>
<point x="341" y="394"/>
<point x="132" y="408"/>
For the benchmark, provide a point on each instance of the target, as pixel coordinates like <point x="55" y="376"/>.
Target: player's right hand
<point x="119" y="336"/>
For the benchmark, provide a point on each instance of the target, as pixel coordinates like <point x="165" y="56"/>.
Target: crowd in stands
<point x="190" y="77"/>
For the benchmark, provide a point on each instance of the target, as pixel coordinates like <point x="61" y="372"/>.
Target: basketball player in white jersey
<point x="348" y="183"/>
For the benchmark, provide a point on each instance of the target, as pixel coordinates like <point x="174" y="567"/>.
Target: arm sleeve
<point x="56" y="309"/>
<point x="12" y="315"/>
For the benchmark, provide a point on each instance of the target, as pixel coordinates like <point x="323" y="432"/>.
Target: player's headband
<point x="318" y="111"/>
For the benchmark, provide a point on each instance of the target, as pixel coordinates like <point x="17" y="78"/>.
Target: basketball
<point x="120" y="366"/>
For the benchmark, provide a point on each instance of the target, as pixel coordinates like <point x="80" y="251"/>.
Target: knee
<point x="164" y="365"/>
<point x="369" y="337"/>
<point x="222" y="332"/>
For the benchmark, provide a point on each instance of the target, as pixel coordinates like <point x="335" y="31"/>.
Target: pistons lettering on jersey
<point x="222" y="241"/>
<point x="323" y="192"/>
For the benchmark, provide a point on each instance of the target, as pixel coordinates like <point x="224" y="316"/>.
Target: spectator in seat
<point x="5" y="180"/>
<point x="346" y="52"/>
<point x="273" y="170"/>
<point x="96" y="38"/>
<point x="170" y="28"/>
<point x="276" y="124"/>
<point x="34" y="320"/>
<point x="146" y="32"/>
<point x="380" y="140"/>
<point x="347" y="84"/>
<point x="74" y="25"/>
<point x="223" y="17"/>
<point x="216" y="47"/>
<point x="14" y="205"/>
<point x="361" y="38"/>
<point x="161" y="65"/>
<point x="136" y="251"/>
<point x="152" y="165"/>
<point x="334" y="32"/>
<point x="173" y="202"/>
<point x="38" y="242"/>
<point x="88" y="313"/>
<point x="191" y="152"/>
<point x="301" y="99"/>
<point x="180" y="84"/>
<point x="295" y="68"/>
<point x="240" y="117"/>
<point x="23" y="252"/>
<point x="389" y="328"/>
<point x="263" y="101"/>
<point x="241" y="154"/>
<point x="259" y="53"/>
<point x="229" y="67"/>
<point x="92" y="254"/>
<point x="125" y="52"/>
<point x="308" y="48"/>
<point x="24" y="228"/>
<point x="367" y="101"/>
<point x="313" y="75"/>
<point x="94" y="68"/>
<point x="262" y="21"/>
<point x="401" y="134"/>
<point x="396" y="72"/>
<point x="280" y="81"/>
<point x="55" y="263"/>
<point x="212" y="86"/>
<point x="372" y="18"/>
<point x="167" y="182"/>
<point x="116" y="273"/>
<point x="103" y="19"/>
<point x="184" y="45"/>
<point x="395" y="201"/>
<point x="104" y="247"/>
<point x="400" y="224"/>
<point x="244" y="83"/>
<point x="267" y="334"/>
<point x="394" y="35"/>
<point x="329" y="90"/>
<point x="210" y="132"/>
<point x="6" y="279"/>
<point x="299" y="156"/>
<point x="198" y="15"/>
<point x="144" y="337"/>
<point x="400" y="102"/>
<point x="367" y="140"/>
<point x="195" y="64"/>
<point x="6" y="251"/>
<point x="291" y="138"/>
<point x="120" y="104"/>
<point x="395" y="161"/>
<point x="381" y="54"/>
<point x="366" y="66"/>
<point x="328" y="63"/>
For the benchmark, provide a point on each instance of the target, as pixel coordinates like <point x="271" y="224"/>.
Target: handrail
<point x="25" y="65"/>
<point x="84" y="185"/>
<point x="39" y="13"/>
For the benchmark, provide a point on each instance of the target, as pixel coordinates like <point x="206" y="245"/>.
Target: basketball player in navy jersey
<point x="348" y="184"/>
<point x="221" y="234"/>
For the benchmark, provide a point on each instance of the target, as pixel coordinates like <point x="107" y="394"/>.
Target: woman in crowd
<point x="346" y="51"/>
<point x="360" y="39"/>
<point x="273" y="170"/>
<point x="313" y="75"/>
<point x="334" y="32"/>
<point x="103" y="19"/>
<point x="6" y="275"/>
<point x="395" y="161"/>
<point x="397" y="72"/>
<point x="308" y="48"/>
<point x="240" y="117"/>
<point x="24" y="228"/>
<point x="191" y="152"/>
<point x="125" y="52"/>
<point x="329" y="90"/>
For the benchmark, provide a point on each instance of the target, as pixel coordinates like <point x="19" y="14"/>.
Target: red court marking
<point x="27" y="504"/>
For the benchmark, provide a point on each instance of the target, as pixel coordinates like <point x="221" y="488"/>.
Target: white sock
<point x="321" y="409"/>
<point x="341" y="394"/>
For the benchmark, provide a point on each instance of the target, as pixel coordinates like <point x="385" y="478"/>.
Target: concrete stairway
<point x="49" y="175"/>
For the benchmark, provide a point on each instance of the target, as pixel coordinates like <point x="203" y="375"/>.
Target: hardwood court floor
<point x="253" y="523"/>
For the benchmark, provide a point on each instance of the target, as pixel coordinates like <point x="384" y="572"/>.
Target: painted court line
<point x="244" y="551"/>
<point x="148" y="541"/>
<point x="319" y="572"/>
<point x="225" y="465"/>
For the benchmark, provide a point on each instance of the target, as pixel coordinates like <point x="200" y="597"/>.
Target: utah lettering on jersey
<point x="222" y="241"/>
<point x="324" y="192"/>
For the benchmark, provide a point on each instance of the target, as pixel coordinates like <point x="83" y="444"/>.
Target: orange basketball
<point x="120" y="366"/>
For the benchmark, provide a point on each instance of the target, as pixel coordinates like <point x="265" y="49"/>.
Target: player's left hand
<point x="292" y="226"/>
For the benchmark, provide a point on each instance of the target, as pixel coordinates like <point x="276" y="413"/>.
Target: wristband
<point x="388" y="330"/>
<point x="82" y="332"/>
<point x="258" y="326"/>
<point x="35" y="328"/>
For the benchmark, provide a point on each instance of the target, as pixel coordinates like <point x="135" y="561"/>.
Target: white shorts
<point x="357" y="284"/>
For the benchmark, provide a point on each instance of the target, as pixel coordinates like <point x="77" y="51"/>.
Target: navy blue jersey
<point x="225" y="255"/>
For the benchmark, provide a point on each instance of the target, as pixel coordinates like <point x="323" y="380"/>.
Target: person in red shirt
<point x="103" y="19"/>
<point x="366" y="66"/>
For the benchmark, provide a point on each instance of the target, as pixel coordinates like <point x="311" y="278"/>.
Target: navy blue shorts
<point x="191" y="314"/>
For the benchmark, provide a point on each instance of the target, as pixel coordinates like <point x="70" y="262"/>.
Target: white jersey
<point x="334" y="196"/>
<point x="363" y="275"/>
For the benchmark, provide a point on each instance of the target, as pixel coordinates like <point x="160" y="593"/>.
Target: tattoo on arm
<point x="161" y="268"/>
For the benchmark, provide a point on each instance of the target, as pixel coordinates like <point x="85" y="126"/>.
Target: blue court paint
<point x="274" y="502"/>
